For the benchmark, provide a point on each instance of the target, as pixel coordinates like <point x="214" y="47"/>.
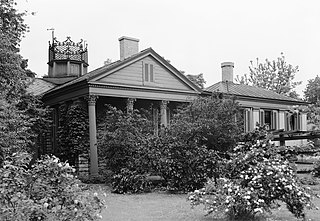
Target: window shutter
<point x="274" y="120"/>
<point x="247" y="120"/>
<point x="262" y="118"/>
<point x="146" y="72"/>
<point x="142" y="72"/>
<point x="151" y="73"/>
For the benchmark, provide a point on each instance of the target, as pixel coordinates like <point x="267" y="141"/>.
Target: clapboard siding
<point x="132" y="75"/>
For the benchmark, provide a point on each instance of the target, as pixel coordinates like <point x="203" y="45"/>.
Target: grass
<point x="158" y="206"/>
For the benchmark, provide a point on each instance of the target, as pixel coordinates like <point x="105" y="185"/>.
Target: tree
<point x="21" y="113"/>
<point x="275" y="75"/>
<point x="197" y="79"/>
<point x="312" y="91"/>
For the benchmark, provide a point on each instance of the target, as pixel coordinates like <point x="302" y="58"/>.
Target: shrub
<point x="256" y="178"/>
<point x="130" y="182"/>
<point x="47" y="190"/>
<point x="194" y="147"/>
<point x="184" y="166"/>
<point x="122" y="140"/>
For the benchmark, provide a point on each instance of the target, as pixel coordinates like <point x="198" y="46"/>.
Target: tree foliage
<point x="276" y="75"/>
<point x="21" y="113"/>
<point x="197" y="79"/>
<point x="312" y="91"/>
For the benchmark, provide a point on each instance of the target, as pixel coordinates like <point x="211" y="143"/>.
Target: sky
<point x="196" y="36"/>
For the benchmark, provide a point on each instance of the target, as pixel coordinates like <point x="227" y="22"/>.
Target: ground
<point x="158" y="206"/>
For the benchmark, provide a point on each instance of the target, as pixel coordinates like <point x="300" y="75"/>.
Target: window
<point x="148" y="72"/>
<point x="269" y="118"/>
<point x="293" y="121"/>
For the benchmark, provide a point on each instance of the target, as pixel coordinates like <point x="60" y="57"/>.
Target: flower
<point x="45" y="205"/>
<point x="75" y="209"/>
<point x="95" y="194"/>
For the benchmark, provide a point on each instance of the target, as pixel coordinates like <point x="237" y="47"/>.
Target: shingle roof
<point x="58" y="80"/>
<point x="248" y="91"/>
<point x="39" y="86"/>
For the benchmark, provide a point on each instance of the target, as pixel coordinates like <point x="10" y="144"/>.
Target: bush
<point x="122" y="140"/>
<point x="256" y="178"/>
<point x="130" y="182"/>
<point x="184" y="166"/>
<point x="194" y="147"/>
<point x="47" y="190"/>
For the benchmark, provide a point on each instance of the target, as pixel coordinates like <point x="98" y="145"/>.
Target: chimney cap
<point x="128" y="38"/>
<point x="226" y="64"/>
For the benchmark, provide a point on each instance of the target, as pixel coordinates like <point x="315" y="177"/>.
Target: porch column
<point x="163" y="113"/>
<point x="93" y="135"/>
<point x="130" y="103"/>
<point x="282" y="119"/>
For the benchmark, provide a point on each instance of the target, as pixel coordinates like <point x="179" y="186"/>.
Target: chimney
<point x="128" y="47"/>
<point x="227" y="71"/>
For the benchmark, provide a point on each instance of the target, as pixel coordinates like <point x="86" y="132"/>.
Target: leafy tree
<point x="197" y="79"/>
<point x="21" y="113"/>
<point x="312" y="91"/>
<point x="275" y="75"/>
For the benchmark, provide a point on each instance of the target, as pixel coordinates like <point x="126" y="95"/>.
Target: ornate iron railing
<point x="68" y="50"/>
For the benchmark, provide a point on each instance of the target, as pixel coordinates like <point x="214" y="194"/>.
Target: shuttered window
<point x="148" y="72"/>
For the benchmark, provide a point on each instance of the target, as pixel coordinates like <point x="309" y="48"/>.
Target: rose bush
<point x="47" y="190"/>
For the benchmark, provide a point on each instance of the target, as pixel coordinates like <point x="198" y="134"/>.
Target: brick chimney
<point x="227" y="71"/>
<point x="128" y="47"/>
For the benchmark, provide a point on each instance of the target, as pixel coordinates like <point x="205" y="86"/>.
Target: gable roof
<point x="105" y="70"/>
<point x="249" y="91"/>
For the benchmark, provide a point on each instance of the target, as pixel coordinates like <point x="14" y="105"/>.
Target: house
<point x="260" y="105"/>
<point x="142" y="79"/>
<point x="139" y="79"/>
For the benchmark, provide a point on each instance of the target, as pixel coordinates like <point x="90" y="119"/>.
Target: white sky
<point x="196" y="36"/>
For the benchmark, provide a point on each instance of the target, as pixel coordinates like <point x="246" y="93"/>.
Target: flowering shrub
<point x="256" y="178"/>
<point x="47" y="190"/>
<point x="130" y="182"/>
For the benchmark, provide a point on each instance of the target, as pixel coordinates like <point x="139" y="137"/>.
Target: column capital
<point x="91" y="99"/>
<point x="163" y="104"/>
<point x="130" y="103"/>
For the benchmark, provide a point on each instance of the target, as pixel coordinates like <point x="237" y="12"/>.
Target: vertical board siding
<point x="134" y="75"/>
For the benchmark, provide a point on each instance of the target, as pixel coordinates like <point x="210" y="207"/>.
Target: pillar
<point x="163" y="113"/>
<point x="130" y="103"/>
<point x="93" y="135"/>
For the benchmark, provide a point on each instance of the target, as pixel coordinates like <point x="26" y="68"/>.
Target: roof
<point x="38" y="86"/>
<point x="102" y="70"/>
<point x="58" y="80"/>
<point x="248" y="91"/>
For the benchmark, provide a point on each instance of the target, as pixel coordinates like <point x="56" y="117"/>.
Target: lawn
<point x="165" y="206"/>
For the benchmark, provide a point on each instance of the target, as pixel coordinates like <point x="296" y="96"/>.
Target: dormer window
<point x="148" y="74"/>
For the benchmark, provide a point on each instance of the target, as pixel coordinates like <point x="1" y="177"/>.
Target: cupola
<point x="67" y="58"/>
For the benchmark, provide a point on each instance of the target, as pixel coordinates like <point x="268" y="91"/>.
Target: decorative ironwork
<point x="68" y="50"/>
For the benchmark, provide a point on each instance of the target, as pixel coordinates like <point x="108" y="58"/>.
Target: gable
<point x="134" y="75"/>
